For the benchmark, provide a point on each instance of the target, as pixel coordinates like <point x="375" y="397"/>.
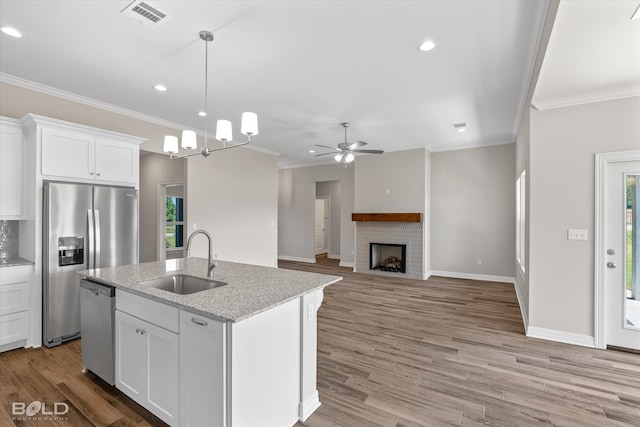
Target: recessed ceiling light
<point x="460" y="127"/>
<point x="426" y="46"/>
<point x="160" y="88"/>
<point x="202" y="114"/>
<point x="312" y="151"/>
<point x="11" y="32"/>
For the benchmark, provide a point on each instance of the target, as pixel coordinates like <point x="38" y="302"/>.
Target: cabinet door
<point x="10" y="171"/>
<point x="14" y="327"/>
<point x="162" y="370"/>
<point x="131" y="357"/>
<point x="67" y="154"/>
<point x="202" y="371"/>
<point x="116" y="161"/>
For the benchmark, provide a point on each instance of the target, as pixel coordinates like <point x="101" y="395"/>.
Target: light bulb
<point x="339" y="157"/>
<point x="349" y="158"/>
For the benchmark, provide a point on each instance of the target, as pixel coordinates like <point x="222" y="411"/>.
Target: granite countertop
<point x="251" y="289"/>
<point x="14" y="262"/>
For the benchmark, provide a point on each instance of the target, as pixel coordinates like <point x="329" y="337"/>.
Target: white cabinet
<point x="68" y="153"/>
<point x="10" y="169"/>
<point x="202" y="371"/>
<point x="15" y="283"/>
<point x="147" y="354"/>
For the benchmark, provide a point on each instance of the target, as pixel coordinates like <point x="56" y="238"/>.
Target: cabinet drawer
<point x="160" y="314"/>
<point x="14" y="327"/>
<point x="18" y="274"/>
<point x="14" y="298"/>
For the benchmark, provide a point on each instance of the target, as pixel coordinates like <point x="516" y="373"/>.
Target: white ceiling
<point x="593" y="54"/>
<point x="302" y="66"/>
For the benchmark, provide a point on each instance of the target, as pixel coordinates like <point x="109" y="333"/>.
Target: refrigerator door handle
<point x="91" y="242"/>
<point x="97" y="231"/>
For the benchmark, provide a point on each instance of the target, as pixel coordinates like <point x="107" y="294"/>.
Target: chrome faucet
<point x="211" y="263"/>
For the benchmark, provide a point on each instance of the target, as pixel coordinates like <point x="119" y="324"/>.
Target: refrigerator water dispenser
<point x="70" y="251"/>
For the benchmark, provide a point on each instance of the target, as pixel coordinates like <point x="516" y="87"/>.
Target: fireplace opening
<point x="387" y="257"/>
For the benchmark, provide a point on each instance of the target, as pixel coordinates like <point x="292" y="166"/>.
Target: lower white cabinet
<point x="147" y="358"/>
<point x="202" y="371"/>
<point x="15" y="283"/>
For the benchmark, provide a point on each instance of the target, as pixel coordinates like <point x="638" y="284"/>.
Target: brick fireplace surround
<point x="394" y="228"/>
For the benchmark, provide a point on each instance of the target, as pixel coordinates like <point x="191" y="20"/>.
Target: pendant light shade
<point x="339" y="157"/>
<point x="170" y="144"/>
<point x="224" y="132"/>
<point x="249" y="124"/>
<point x="189" y="141"/>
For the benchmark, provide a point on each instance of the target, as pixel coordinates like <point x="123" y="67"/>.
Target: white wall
<point x="563" y="144"/>
<point x="296" y="204"/>
<point x="473" y="212"/>
<point x="154" y="169"/>
<point x="233" y="194"/>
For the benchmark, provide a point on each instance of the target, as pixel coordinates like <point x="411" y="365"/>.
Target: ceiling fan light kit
<point x="224" y="131"/>
<point x="346" y="150"/>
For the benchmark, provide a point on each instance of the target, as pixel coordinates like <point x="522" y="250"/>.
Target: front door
<point x="622" y="258"/>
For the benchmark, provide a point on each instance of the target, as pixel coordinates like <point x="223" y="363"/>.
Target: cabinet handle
<point x="199" y="322"/>
<point x="98" y="173"/>
<point x="140" y="331"/>
<point x="90" y="173"/>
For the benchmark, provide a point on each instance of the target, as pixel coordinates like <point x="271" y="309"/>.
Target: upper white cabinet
<point x="70" y="152"/>
<point x="10" y="169"/>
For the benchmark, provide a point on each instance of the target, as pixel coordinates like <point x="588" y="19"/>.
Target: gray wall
<point x="400" y="172"/>
<point x="233" y="194"/>
<point x="296" y="204"/>
<point x="563" y="144"/>
<point x="154" y="170"/>
<point x="473" y="211"/>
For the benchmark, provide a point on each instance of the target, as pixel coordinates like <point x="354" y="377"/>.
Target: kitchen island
<point x="242" y="354"/>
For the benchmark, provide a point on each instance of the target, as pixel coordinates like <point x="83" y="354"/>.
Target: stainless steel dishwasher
<point x="97" y="320"/>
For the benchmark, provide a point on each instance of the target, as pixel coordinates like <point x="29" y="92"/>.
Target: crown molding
<point x="442" y="148"/>
<point x="70" y="96"/>
<point x="587" y="98"/>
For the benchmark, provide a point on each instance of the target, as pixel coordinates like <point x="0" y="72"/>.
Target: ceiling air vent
<point x="145" y="13"/>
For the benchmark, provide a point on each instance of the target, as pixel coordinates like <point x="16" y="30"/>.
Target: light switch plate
<point x="576" y="234"/>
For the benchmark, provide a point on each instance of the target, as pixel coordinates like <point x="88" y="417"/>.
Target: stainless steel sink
<point x="183" y="285"/>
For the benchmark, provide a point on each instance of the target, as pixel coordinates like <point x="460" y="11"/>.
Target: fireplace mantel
<point x="388" y="217"/>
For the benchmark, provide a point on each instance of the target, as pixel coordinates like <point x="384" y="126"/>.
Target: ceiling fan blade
<point x="324" y="154"/>
<point x="369" y="151"/>
<point x="357" y="145"/>
<point x="325" y="146"/>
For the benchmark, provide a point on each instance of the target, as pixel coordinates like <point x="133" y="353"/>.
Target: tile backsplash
<point x="9" y="237"/>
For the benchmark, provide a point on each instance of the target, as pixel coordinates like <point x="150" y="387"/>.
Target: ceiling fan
<point x="346" y="149"/>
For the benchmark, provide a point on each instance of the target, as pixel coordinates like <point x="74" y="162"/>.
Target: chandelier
<point x="224" y="133"/>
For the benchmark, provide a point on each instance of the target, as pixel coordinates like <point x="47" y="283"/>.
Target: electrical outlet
<point x="576" y="234"/>
<point x="195" y="226"/>
<point x="479" y="261"/>
<point x="310" y="311"/>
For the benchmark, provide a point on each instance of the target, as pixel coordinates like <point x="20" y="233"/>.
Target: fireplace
<point x="389" y="257"/>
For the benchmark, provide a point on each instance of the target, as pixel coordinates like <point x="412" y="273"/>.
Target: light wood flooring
<point x="391" y="352"/>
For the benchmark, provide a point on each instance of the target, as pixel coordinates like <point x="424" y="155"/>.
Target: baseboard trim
<point x="485" y="277"/>
<point x="348" y="264"/>
<point x="297" y="259"/>
<point x="523" y="311"/>
<point x="307" y="408"/>
<point x="561" y="336"/>
<point x="426" y="275"/>
<point x="333" y="256"/>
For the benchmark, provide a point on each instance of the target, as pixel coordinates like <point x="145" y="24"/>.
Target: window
<point x="173" y="221"/>
<point x="521" y="220"/>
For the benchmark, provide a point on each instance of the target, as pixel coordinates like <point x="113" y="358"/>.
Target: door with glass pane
<point x="622" y="245"/>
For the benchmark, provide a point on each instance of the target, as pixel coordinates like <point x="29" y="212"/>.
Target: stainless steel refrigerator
<point x="84" y="226"/>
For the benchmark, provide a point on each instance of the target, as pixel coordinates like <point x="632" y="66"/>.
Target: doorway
<point x="618" y="250"/>
<point x="321" y="226"/>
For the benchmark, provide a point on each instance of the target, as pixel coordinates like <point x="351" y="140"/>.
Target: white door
<point x="321" y="207"/>
<point x="621" y="281"/>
